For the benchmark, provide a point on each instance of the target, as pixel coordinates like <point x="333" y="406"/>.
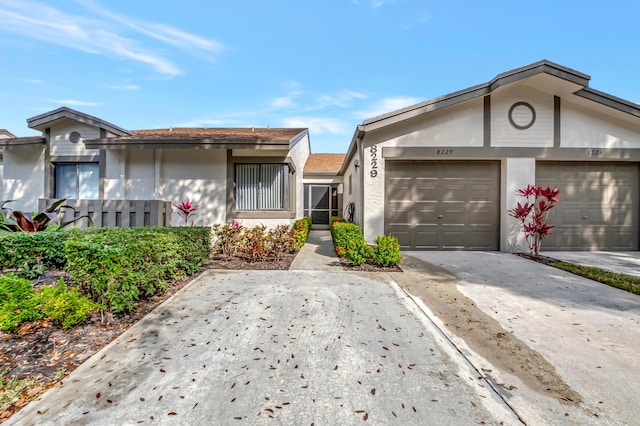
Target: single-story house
<point x="439" y="175"/>
<point x="253" y="175"/>
<point x="443" y="174"/>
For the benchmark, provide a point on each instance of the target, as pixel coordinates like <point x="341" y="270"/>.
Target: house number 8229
<point x="374" y="161"/>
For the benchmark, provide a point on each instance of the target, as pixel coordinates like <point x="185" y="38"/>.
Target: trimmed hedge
<point x="301" y="228"/>
<point x="29" y="254"/>
<point x="119" y="266"/>
<point x="349" y="242"/>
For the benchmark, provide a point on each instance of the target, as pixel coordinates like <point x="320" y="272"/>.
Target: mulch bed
<point x="545" y="260"/>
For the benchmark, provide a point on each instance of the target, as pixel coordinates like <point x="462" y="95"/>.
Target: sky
<point x="326" y="65"/>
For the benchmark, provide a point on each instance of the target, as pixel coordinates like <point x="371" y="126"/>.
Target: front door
<point x="320" y="202"/>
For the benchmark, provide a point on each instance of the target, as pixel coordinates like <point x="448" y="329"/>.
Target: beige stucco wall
<point x="23" y="174"/>
<point x="199" y="175"/>
<point x="582" y="127"/>
<point x="140" y="175"/>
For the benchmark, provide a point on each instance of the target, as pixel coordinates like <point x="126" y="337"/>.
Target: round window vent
<point x="522" y="115"/>
<point x="74" y="137"/>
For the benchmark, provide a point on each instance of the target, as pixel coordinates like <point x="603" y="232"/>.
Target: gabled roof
<point x="324" y="163"/>
<point x="578" y="80"/>
<point x="225" y="138"/>
<point x="5" y="134"/>
<point x="42" y="121"/>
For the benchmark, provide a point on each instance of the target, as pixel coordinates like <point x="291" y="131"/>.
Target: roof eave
<point x="17" y="142"/>
<point x="540" y="67"/>
<point x="114" y="143"/>
<point x="610" y="101"/>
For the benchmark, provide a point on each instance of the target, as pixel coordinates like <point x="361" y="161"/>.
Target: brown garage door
<point x="598" y="208"/>
<point x="443" y="205"/>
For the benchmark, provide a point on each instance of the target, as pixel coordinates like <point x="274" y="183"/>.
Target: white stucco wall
<point x="503" y="134"/>
<point x="23" y="174"/>
<point x="114" y="179"/>
<point x="199" y="175"/>
<point x="516" y="173"/>
<point x="140" y="173"/>
<point x="60" y="144"/>
<point x="585" y="128"/>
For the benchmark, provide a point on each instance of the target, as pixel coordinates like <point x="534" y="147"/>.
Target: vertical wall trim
<point x="487" y="121"/>
<point x="230" y="195"/>
<point x="556" y="122"/>
<point x="157" y="175"/>
<point x="49" y="179"/>
<point x="102" y="167"/>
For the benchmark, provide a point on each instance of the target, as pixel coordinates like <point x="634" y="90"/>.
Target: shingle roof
<point x="227" y="138"/>
<point x="324" y="163"/>
<point x="248" y="134"/>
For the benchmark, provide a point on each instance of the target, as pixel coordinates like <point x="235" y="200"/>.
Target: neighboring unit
<point x="253" y="175"/>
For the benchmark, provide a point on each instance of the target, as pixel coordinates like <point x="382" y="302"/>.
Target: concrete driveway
<point x="277" y="347"/>
<point x="590" y="332"/>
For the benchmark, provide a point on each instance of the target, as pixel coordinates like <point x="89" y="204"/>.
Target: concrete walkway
<point x="318" y="254"/>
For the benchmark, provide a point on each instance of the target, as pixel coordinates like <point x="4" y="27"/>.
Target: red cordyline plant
<point x="534" y="214"/>
<point x="186" y="210"/>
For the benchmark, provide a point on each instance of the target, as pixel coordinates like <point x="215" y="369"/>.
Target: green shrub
<point x="280" y="241"/>
<point x="29" y="254"/>
<point x="387" y="251"/>
<point x="118" y="266"/>
<point x="18" y="302"/>
<point x="349" y="242"/>
<point x="227" y="238"/>
<point x="335" y="219"/>
<point x="254" y="245"/>
<point x="65" y="306"/>
<point x="301" y="228"/>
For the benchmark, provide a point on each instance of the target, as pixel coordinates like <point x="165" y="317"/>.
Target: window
<point x="261" y="186"/>
<point x="77" y="181"/>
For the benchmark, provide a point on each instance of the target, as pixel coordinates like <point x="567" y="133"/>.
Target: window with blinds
<point x="261" y="186"/>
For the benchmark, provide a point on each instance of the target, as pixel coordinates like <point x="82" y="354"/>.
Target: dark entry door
<point x="320" y="202"/>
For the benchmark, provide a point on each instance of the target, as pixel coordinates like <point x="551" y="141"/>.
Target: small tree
<point x="534" y="214"/>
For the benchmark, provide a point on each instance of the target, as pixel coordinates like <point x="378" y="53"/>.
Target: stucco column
<point x="374" y="196"/>
<point x="516" y="173"/>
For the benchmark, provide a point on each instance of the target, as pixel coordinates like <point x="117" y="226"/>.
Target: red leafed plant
<point x="534" y="214"/>
<point x="186" y="210"/>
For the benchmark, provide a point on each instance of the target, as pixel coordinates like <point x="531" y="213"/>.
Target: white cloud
<point x="387" y="105"/>
<point x="416" y="23"/>
<point x="161" y="32"/>
<point x="131" y="87"/>
<point x="75" y="102"/>
<point x="282" y="102"/>
<point x="319" y="125"/>
<point x="99" y="35"/>
<point x="340" y="99"/>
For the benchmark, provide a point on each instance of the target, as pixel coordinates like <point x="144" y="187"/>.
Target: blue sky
<point x="326" y="65"/>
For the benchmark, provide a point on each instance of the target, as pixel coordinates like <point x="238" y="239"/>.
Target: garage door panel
<point x="598" y="208"/>
<point x="449" y="199"/>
